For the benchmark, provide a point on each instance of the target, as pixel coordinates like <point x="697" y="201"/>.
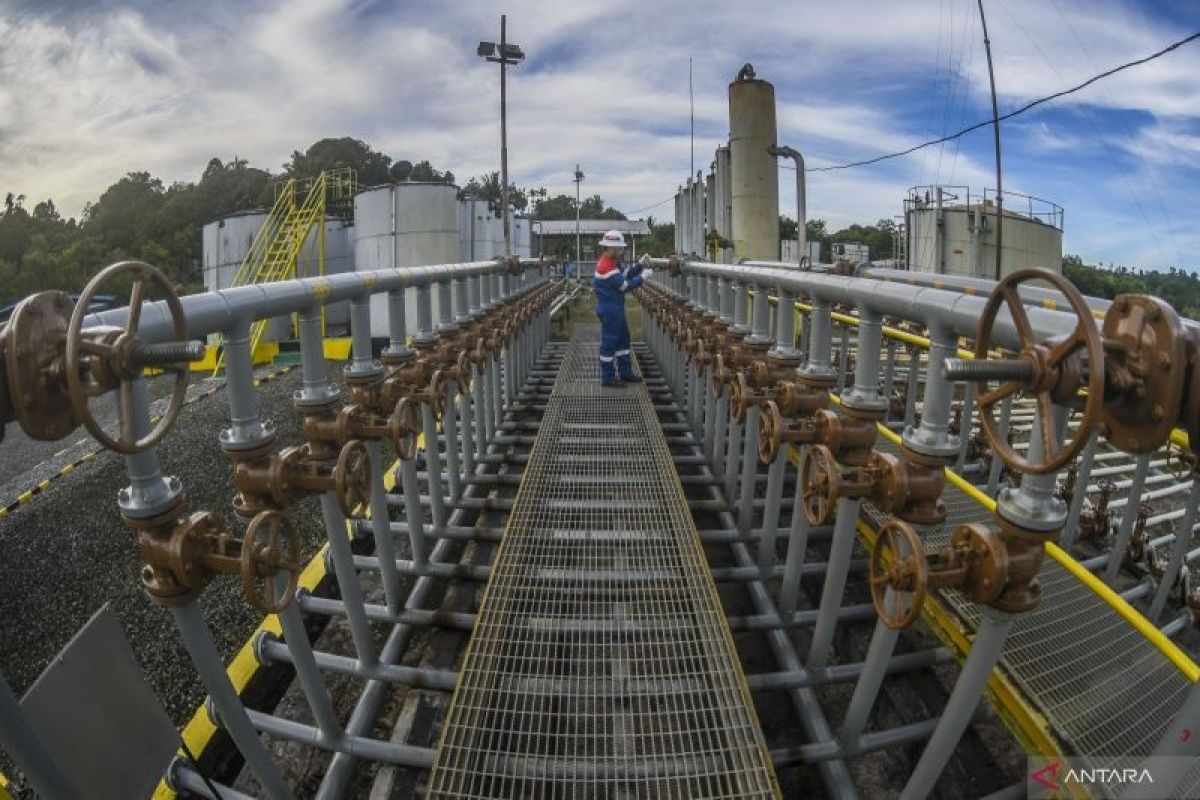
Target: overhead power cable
<point x="652" y="205"/>
<point x="1011" y="114"/>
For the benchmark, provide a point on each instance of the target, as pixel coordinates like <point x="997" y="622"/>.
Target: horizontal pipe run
<point x="1182" y="621"/>
<point x="462" y="503"/>
<point x="311" y="604"/>
<point x="709" y="536"/>
<point x="863" y="612"/>
<point x="403" y="755"/>
<point x="840" y="673"/>
<point x="429" y="569"/>
<point x="272" y="649"/>
<point x="868" y="743"/>
<point x="959" y="313"/>
<point x="456" y="532"/>
<point x="1093" y="488"/>
<point x="219" y="311"/>
<point x="181" y="776"/>
<point x="1178" y="488"/>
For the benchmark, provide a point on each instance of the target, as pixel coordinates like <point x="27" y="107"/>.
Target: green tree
<point x="423" y="172"/>
<point x="371" y="165"/>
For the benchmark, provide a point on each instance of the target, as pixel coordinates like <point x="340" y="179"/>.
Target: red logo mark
<point x="1187" y="734"/>
<point x="1047" y="776"/>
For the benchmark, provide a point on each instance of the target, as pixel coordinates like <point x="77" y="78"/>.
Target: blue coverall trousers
<point x="615" y="361"/>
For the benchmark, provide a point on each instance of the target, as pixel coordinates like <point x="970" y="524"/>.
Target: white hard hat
<point x="613" y="239"/>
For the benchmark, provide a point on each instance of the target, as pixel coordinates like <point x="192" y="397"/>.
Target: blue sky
<point x="89" y="91"/>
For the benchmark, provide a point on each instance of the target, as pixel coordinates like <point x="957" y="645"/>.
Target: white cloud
<point x="88" y="95"/>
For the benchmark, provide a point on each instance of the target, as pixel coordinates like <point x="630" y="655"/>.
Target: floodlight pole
<point x="504" y="135"/>
<point x="505" y="56"/>
<point x="578" y="251"/>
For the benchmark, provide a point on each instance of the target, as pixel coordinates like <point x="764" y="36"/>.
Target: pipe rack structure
<point x="786" y="444"/>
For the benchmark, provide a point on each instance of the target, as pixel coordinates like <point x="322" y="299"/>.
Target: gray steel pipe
<point x="221" y="310"/>
<point x="960" y="313"/>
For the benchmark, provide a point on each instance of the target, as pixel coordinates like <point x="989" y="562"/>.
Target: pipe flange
<point x="258" y="646"/>
<point x="316" y="397"/>
<point x="233" y="441"/>
<point x="930" y="443"/>
<point x="144" y="503"/>
<point x="871" y="403"/>
<point x="816" y="376"/>
<point x="362" y="373"/>
<point x="394" y="355"/>
<point x="1031" y="513"/>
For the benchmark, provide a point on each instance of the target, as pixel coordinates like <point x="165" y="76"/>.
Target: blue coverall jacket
<point x="611" y="283"/>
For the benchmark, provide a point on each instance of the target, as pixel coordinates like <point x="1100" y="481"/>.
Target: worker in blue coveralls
<point x="613" y="279"/>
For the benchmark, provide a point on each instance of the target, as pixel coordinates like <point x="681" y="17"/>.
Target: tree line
<point x="141" y="217"/>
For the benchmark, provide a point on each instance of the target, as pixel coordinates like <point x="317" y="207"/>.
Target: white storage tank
<point x="405" y="225"/>
<point x="339" y="257"/>
<point x="486" y="240"/>
<point x="522" y="236"/>
<point x="225" y="242"/>
<point x="952" y="231"/>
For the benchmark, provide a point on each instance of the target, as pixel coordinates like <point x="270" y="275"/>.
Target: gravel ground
<point x="66" y="553"/>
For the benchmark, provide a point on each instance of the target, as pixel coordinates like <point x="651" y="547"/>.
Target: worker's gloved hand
<point x="645" y="261"/>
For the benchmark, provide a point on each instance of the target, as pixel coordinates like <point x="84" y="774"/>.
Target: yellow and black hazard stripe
<point x="29" y="494"/>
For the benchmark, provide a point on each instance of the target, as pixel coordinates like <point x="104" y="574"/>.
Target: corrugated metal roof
<point x="565" y="227"/>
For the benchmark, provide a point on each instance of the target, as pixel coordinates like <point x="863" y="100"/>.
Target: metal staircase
<point x="300" y="204"/>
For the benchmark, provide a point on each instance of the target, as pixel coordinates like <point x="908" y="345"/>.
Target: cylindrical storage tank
<point x="339" y="257"/>
<point x="724" y="202"/>
<point x="965" y="241"/>
<point x="495" y="235"/>
<point x="466" y="229"/>
<point x="678" y="232"/>
<point x="710" y="208"/>
<point x="405" y="225"/>
<point x="224" y="243"/>
<point x="522" y="236"/>
<point x="698" y="226"/>
<point x="687" y="216"/>
<point x="754" y="177"/>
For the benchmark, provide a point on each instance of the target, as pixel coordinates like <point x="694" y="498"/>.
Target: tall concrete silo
<point x="754" y="179"/>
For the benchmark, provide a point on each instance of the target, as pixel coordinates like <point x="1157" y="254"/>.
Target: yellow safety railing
<point x="276" y="248"/>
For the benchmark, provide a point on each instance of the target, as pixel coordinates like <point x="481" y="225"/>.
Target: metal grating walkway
<point x="1101" y="687"/>
<point x="601" y="664"/>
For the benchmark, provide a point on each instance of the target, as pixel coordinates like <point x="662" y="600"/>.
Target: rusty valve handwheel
<point x="352" y="479"/>
<point x="720" y="375"/>
<point x="1040" y="369"/>
<point x="770" y="432"/>
<point x="434" y="395"/>
<point x="122" y="357"/>
<point x="907" y="576"/>
<point x="272" y="544"/>
<point x="741" y="397"/>
<point x="462" y="372"/>
<point x="820" y="481"/>
<point x="406" y="426"/>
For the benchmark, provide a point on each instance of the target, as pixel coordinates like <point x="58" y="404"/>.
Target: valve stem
<point x="991" y="369"/>
<point x="150" y="355"/>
